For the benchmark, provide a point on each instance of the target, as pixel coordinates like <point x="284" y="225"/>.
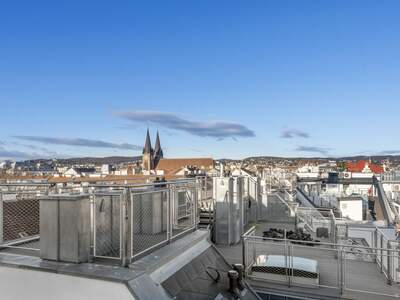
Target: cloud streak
<point x="77" y="142"/>
<point x="23" y="155"/>
<point x="313" y="149"/>
<point x="14" y="154"/>
<point x="389" y="152"/>
<point x="293" y="133"/>
<point x="216" y="129"/>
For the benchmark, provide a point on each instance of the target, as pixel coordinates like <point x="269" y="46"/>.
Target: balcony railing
<point x="341" y="269"/>
<point x="127" y="221"/>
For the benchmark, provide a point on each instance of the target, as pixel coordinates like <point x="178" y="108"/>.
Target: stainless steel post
<point x="389" y="264"/>
<point x="92" y="225"/>
<point x="381" y="253"/>
<point x="124" y="198"/>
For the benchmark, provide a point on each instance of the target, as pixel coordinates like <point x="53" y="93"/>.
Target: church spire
<point x="147" y="145"/>
<point x="157" y="148"/>
<point x="158" y="153"/>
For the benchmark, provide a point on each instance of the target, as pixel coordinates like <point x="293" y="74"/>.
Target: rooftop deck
<point x="355" y="275"/>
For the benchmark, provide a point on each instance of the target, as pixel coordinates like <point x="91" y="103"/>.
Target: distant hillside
<point x="127" y="159"/>
<point x="351" y="158"/>
<point x="100" y="160"/>
<point x="91" y="160"/>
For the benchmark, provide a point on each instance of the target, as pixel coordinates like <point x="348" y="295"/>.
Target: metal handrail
<point x="317" y="243"/>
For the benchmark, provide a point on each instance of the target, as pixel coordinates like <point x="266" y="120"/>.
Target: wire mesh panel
<point x="107" y="218"/>
<point x="19" y="219"/>
<point x="267" y="260"/>
<point x="333" y="270"/>
<point x="341" y="232"/>
<point x="395" y="267"/>
<point x="363" y="275"/>
<point x="183" y="216"/>
<point x="382" y="244"/>
<point x="278" y="210"/>
<point x="315" y="266"/>
<point x="206" y="203"/>
<point x="367" y="234"/>
<point x="316" y="221"/>
<point x="149" y="220"/>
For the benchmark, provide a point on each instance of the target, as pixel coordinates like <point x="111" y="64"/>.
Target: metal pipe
<point x="233" y="281"/>
<point x="389" y="264"/>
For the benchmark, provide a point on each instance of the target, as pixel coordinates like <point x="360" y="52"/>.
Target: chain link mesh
<point x="149" y="220"/>
<point x="107" y="220"/>
<point x="327" y="267"/>
<point x="183" y="210"/>
<point x="151" y="216"/>
<point x="20" y="215"/>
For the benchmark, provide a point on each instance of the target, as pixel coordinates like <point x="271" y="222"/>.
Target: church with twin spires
<point x="151" y="157"/>
<point x="154" y="163"/>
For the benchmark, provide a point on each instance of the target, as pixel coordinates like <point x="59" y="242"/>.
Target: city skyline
<point x="223" y="80"/>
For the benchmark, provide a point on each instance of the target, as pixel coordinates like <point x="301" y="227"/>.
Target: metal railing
<point x="132" y="221"/>
<point x="339" y="269"/>
<point x="127" y="221"/>
<point x="315" y="219"/>
<point x="376" y="238"/>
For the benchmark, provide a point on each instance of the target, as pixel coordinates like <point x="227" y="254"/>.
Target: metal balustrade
<point x="127" y="221"/>
<point x="341" y="268"/>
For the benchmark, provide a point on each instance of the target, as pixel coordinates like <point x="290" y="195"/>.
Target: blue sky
<point x="217" y="78"/>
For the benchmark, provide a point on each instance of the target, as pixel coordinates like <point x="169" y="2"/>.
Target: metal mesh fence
<point x="125" y="220"/>
<point x="107" y="218"/>
<point x="314" y="219"/>
<point x="310" y="262"/>
<point x="340" y="231"/>
<point x="330" y="268"/>
<point x="206" y="204"/>
<point x="183" y="210"/>
<point x="278" y="210"/>
<point x="149" y="220"/>
<point x="357" y="272"/>
<point x="258" y="254"/>
<point x="382" y="244"/>
<point x="161" y="214"/>
<point x="19" y="219"/>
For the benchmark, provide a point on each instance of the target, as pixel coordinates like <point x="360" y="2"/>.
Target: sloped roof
<point x="360" y="165"/>
<point x="194" y="282"/>
<point x="137" y="178"/>
<point x="169" y="165"/>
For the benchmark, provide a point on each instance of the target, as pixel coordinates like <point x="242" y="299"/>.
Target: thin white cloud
<point x="21" y="155"/>
<point x="79" y="142"/>
<point x="293" y="133"/>
<point x="389" y="152"/>
<point x="313" y="149"/>
<point x="217" y="129"/>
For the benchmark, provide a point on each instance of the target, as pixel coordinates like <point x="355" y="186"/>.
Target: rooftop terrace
<point x="144" y="239"/>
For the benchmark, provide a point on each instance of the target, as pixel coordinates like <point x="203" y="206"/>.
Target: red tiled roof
<point x="360" y="165"/>
<point x="170" y="165"/>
